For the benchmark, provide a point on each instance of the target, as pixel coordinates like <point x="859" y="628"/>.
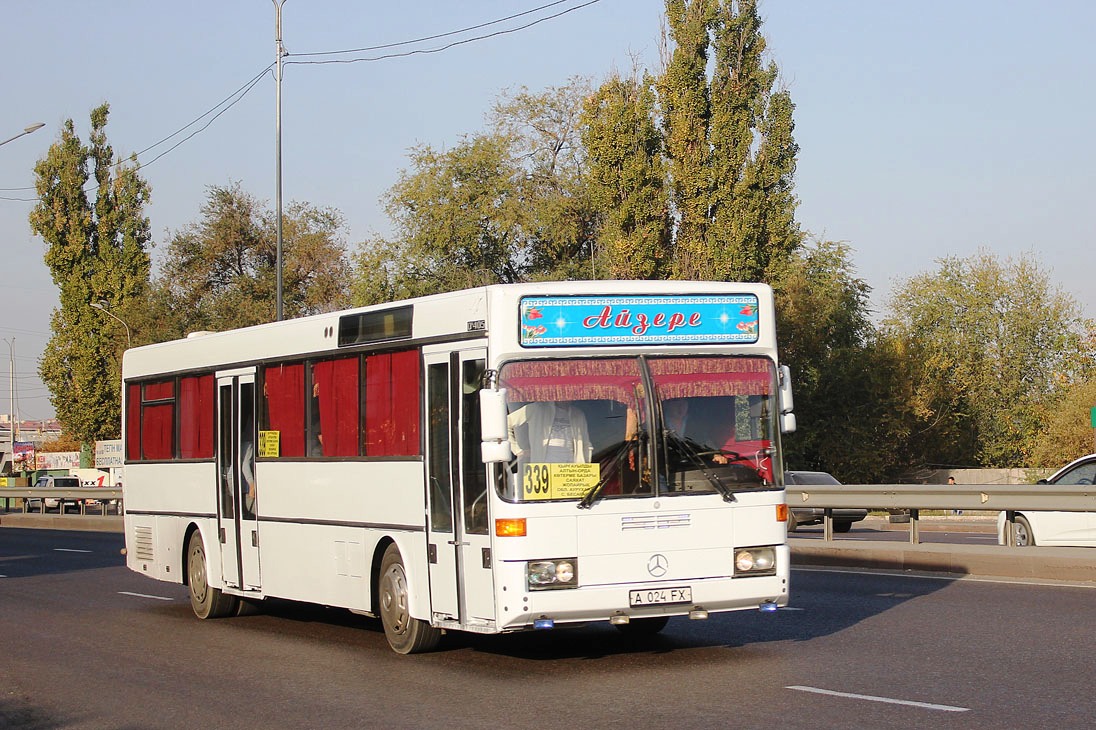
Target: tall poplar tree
<point x="686" y="116"/>
<point x="627" y="179"/>
<point x="729" y="140"/>
<point x="96" y="251"/>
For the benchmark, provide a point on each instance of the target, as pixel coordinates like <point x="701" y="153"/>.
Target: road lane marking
<point x="145" y="595"/>
<point x="70" y="550"/>
<point x="888" y="700"/>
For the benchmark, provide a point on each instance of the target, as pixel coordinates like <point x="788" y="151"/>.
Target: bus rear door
<point x="237" y="490"/>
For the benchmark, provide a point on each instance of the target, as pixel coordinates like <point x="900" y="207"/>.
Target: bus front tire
<point x="406" y="635"/>
<point x="207" y="602"/>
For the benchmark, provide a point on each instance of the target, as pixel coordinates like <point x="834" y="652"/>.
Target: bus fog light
<point x="543" y="575"/>
<point x="755" y="561"/>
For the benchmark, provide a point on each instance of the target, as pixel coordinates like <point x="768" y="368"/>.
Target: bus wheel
<point x="406" y="635"/>
<point x="206" y="601"/>
<point x="648" y="626"/>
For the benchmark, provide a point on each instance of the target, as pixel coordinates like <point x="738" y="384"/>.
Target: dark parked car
<point x="799" y="516"/>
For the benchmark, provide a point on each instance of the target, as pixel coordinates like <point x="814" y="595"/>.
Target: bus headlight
<point x="543" y="575"/>
<point x="755" y="561"/>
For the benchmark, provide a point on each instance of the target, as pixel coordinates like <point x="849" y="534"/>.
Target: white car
<point x="52" y="502"/>
<point x="1072" y="529"/>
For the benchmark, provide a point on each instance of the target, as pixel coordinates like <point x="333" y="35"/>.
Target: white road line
<point x="888" y="700"/>
<point x="145" y="595"/>
<point x="70" y="550"/>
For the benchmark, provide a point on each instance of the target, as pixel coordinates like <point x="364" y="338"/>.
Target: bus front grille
<point x="653" y="522"/>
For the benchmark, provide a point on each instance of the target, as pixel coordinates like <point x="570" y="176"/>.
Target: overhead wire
<point x="236" y="96"/>
<point x="445" y="47"/>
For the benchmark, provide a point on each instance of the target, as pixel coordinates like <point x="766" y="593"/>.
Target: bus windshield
<point x="587" y="429"/>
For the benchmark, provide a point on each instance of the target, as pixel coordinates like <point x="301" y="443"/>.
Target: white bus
<point x="499" y="459"/>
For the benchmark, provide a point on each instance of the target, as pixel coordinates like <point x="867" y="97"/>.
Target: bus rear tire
<point x="406" y="635"/>
<point x="207" y="602"/>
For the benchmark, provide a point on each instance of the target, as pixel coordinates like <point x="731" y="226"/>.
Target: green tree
<point x="221" y="271"/>
<point x="507" y="205"/>
<point x="686" y="114"/>
<point x="987" y="345"/>
<point x="844" y="396"/>
<point x="95" y="252"/>
<point x="730" y="145"/>
<point x="753" y="229"/>
<point x="626" y="178"/>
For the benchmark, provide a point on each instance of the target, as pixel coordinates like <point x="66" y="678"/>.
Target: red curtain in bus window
<point x="405" y="395"/>
<point x="392" y="404"/>
<point x="196" y="417"/>
<point x="336" y="384"/>
<point x="133" y="421"/>
<point x="283" y="386"/>
<point x="157" y="423"/>
<point x="160" y="391"/>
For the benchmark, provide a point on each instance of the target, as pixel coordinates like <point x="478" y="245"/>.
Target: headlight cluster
<point x="755" y="561"/>
<point x="543" y="575"/>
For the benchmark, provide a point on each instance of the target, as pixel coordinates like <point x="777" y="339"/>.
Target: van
<point x="52" y="502"/>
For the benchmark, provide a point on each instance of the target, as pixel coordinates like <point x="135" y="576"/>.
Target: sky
<point x="926" y="130"/>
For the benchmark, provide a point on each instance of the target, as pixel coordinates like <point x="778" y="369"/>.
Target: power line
<point x="437" y="36"/>
<point x="445" y="47"/>
<point x="236" y="96"/>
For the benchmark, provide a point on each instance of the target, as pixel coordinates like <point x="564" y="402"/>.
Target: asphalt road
<point x="89" y="644"/>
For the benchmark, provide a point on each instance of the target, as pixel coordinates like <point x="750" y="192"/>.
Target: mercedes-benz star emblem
<point x="658" y="565"/>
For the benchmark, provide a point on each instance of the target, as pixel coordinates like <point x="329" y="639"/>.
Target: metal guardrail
<point x="1007" y="498"/>
<point x="79" y="496"/>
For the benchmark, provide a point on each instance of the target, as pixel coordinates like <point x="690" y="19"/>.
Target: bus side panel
<point x="178" y="495"/>
<point x="322" y="524"/>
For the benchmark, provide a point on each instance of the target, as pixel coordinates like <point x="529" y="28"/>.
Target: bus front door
<point x="237" y="488"/>
<point x="458" y="540"/>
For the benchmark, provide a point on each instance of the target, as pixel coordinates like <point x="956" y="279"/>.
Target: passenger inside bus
<point x="675" y="418"/>
<point x="550" y="432"/>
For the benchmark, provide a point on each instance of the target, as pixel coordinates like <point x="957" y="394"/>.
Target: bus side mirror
<point x="495" y="433"/>
<point x="787" y="405"/>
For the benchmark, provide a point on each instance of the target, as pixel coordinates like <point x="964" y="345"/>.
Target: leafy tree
<point x="221" y="271"/>
<point x="753" y="229"/>
<point x="987" y="345"/>
<point x="729" y="140"/>
<point x="458" y="218"/>
<point x="843" y="390"/>
<point x="544" y="130"/>
<point x="95" y="252"/>
<point x="1067" y="421"/>
<point x="503" y="206"/>
<point x="626" y="178"/>
<point x="686" y="114"/>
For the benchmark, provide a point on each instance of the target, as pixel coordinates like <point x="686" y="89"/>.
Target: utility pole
<point x="279" y="51"/>
<point x="13" y="429"/>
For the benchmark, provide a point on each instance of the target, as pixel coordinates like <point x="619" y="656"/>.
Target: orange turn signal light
<point x="781" y="512"/>
<point x="512" y="527"/>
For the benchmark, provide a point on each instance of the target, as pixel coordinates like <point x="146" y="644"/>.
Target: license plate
<point x="655" y="596"/>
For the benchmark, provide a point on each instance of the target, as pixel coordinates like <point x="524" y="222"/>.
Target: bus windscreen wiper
<point x="690" y="451"/>
<point x="614" y="465"/>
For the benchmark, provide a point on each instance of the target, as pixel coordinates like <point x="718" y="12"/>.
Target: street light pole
<point x="279" y="51"/>
<point x="101" y="305"/>
<point x="12" y="428"/>
<point x="26" y="131"/>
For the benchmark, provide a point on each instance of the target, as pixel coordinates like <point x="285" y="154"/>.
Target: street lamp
<point x="101" y="305"/>
<point x="14" y="430"/>
<point x="26" y="131"/>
